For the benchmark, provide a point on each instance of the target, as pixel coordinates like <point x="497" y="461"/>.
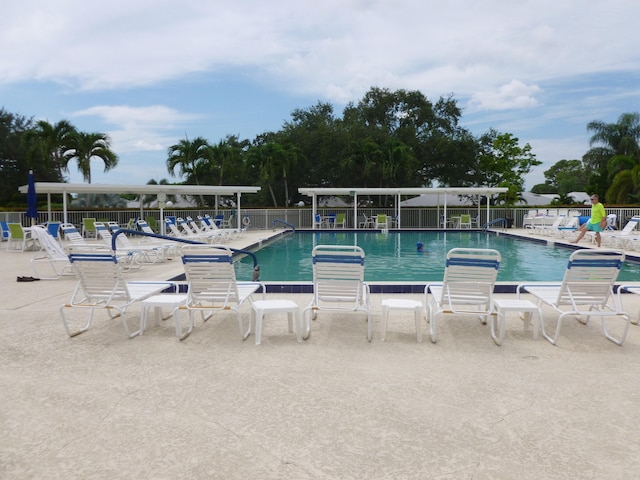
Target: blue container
<point x="584" y="219"/>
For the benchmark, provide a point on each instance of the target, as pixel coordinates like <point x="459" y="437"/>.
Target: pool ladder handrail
<point x="287" y="224"/>
<point x="175" y="239"/>
<point x="495" y="221"/>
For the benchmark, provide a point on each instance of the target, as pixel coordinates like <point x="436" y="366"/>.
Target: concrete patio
<point x="101" y="406"/>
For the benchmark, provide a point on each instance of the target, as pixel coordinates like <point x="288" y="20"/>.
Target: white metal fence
<point x="410" y="218"/>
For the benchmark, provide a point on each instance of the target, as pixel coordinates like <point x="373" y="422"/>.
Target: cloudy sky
<point x="150" y="72"/>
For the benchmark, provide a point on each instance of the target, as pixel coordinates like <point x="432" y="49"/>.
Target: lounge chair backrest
<point x="173" y="228"/>
<point x="338" y="283"/>
<point x="210" y="273"/>
<point x="470" y="275"/>
<point x="338" y="273"/>
<point x="99" y="274"/>
<point x="590" y="277"/>
<point x="144" y="226"/>
<point x="631" y="225"/>
<point x="72" y="234"/>
<point x="49" y="244"/>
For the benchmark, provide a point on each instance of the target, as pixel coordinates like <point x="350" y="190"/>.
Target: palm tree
<point x="148" y="199"/>
<point x="615" y="153"/>
<point x="53" y="141"/>
<point x="190" y="157"/>
<point x="83" y="147"/>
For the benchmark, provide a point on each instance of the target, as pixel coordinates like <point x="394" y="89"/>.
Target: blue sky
<point x="149" y="72"/>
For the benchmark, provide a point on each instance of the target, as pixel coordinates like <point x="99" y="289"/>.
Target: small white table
<point x="260" y="308"/>
<point x="402" y="304"/>
<point x="172" y="301"/>
<point x="502" y="305"/>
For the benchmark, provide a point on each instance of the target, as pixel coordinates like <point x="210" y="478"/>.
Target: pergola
<point x="75" y="188"/>
<point x="397" y="193"/>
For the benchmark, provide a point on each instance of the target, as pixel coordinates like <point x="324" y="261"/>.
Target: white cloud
<point x="516" y="66"/>
<point x="139" y="128"/>
<point x="514" y="95"/>
<point x="334" y="48"/>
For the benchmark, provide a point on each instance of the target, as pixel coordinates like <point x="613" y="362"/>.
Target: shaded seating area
<point x="338" y="284"/>
<point x="586" y="291"/>
<point x="467" y="289"/>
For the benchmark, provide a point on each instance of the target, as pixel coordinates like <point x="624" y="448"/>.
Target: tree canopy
<point x="387" y="139"/>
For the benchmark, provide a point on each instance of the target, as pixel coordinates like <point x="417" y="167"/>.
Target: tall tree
<point x="504" y="163"/>
<point x="615" y="151"/>
<point x="192" y="158"/>
<point x="14" y="166"/>
<point x="84" y="147"/>
<point x="51" y="142"/>
<point x="565" y="176"/>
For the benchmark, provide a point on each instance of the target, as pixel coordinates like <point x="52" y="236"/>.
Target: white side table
<point x="530" y="309"/>
<point x="172" y="301"/>
<point x="402" y="304"/>
<point x="262" y="307"/>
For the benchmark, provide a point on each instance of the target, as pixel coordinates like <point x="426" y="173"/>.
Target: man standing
<point x="596" y="223"/>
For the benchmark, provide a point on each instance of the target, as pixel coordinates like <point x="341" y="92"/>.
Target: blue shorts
<point x="594" y="227"/>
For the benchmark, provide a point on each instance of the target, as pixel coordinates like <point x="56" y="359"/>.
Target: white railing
<point x="410" y="218"/>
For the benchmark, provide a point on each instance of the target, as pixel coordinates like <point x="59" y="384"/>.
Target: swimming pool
<point x="393" y="257"/>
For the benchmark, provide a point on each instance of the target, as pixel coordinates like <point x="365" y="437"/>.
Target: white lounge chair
<point x="467" y="289"/>
<point x="212" y="285"/>
<point x="101" y="286"/>
<point x="552" y="229"/>
<point x="128" y="258"/>
<point x="338" y="284"/>
<point x="51" y="253"/>
<point x="619" y="239"/>
<point x="585" y="291"/>
<point x="72" y="235"/>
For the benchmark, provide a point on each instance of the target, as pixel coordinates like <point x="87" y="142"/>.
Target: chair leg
<point x="178" y="324"/>
<point x="385" y="317"/>
<point x="259" y="315"/>
<point x="298" y="325"/>
<point x="418" y="314"/>
<point x="66" y="324"/>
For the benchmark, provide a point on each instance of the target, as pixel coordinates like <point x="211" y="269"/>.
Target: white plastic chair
<point x="212" y="285"/>
<point x="338" y="284"/>
<point x="586" y="290"/>
<point x="467" y="289"/>
<point x="618" y="239"/>
<point x="101" y="286"/>
<point x="51" y="253"/>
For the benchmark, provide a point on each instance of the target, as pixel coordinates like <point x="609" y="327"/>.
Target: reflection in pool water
<point x="393" y="257"/>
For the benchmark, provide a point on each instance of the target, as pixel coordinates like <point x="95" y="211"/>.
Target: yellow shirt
<point x="597" y="213"/>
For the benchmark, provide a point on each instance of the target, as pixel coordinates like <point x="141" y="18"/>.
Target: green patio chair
<point x="88" y="227"/>
<point x="19" y="239"/>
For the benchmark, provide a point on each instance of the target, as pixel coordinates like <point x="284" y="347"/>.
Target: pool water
<point x="393" y="257"/>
